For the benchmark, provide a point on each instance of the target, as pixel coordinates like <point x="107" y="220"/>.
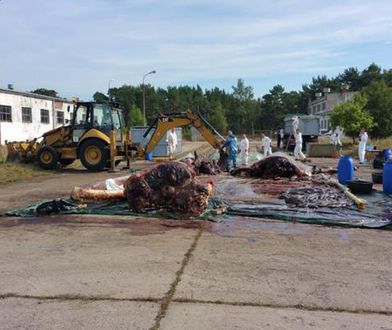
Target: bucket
<point x="345" y="169"/>
<point x="360" y="187"/>
<point x="377" y="177"/>
<point x="149" y="156"/>
<point x="387" y="178"/>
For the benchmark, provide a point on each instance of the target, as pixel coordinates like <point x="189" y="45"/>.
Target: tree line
<point x="242" y="111"/>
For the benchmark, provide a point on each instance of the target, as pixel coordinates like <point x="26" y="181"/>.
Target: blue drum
<point x="149" y="156"/>
<point x="387" y="178"/>
<point x="345" y="169"/>
<point x="387" y="154"/>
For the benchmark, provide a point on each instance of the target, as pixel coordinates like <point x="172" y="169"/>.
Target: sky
<point x="77" y="46"/>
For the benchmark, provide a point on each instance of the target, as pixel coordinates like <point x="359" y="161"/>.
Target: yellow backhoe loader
<point x="97" y="136"/>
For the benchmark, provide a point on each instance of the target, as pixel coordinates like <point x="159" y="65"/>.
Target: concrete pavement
<point x="18" y="313"/>
<point x="195" y="316"/>
<point x="113" y="272"/>
<point x="290" y="265"/>
<point x="89" y="260"/>
<point x="94" y="272"/>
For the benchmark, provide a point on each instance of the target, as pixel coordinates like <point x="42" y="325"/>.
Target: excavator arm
<point x="166" y="122"/>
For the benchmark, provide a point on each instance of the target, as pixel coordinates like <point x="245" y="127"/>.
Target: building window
<point x="60" y="117"/>
<point x="323" y="106"/>
<point x="44" y="116"/>
<point x="5" y="113"/>
<point x="314" y="109"/>
<point x="26" y="115"/>
<point x="318" y="107"/>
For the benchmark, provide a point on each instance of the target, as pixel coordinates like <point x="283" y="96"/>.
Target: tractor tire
<point x="47" y="158"/>
<point x="94" y="154"/>
<point x="66" y="162"/>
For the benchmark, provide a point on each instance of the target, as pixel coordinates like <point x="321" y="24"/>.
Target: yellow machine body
<point x="103" y="146"/>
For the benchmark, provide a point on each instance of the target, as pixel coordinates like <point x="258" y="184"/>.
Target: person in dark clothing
<point x="232" y="149"/>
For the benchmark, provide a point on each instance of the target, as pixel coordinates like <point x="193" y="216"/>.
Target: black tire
<point x="94" y="154"/>
<point x="47" y="157"/>
<point x="66" y="162"/>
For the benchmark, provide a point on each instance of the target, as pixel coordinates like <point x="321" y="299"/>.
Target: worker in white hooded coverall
<point x="335" y="140"/>
<point x="280" y="137"/>
<point x="266" y="145"/>
<point x="363" y="137"/>
<point x="298" y="145"/>
<point x="244" y="150"/>
<point x="171" y="141"/>
<point x="295" y="124"/>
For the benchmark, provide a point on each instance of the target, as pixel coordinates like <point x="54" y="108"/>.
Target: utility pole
<point x="109" y="83"/>
<point x="144" y="96"/>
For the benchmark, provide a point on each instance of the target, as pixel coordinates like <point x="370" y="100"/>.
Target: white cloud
<point x="187" y="40"/>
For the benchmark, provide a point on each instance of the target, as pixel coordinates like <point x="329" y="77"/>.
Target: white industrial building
<point x="325" y="102"/>
<point x="24" y="116"/>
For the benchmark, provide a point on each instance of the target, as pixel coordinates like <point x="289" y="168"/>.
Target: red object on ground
<point x="170" y="186"/>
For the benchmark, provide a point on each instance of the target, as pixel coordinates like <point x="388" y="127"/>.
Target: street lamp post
<point x="109" y="83"/>
<point x="144" y="97"/>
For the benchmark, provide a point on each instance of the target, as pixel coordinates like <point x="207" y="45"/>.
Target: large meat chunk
<point x="170" y="186"/>
<point x="272" y="167"/>
<point x="190" y="199"/>
<point x="138" y="193"/>
<point x="209" y="167"/>
<point x="172" y="174"/>
<point x="203" y="165"/>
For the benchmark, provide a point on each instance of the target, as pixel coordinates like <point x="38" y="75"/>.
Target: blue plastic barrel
<point x="345" y="169"/>
<point x="387" y="154"/>
<point x="149" y="156"/>
<point x="387" y="178"/>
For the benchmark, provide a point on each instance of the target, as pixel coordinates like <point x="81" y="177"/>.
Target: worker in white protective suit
<point x="266" y="145"/>
<point x="171" y="141"/>
<point x="298" y="145"/>
<point x="244" y="150"/>
<point x="335" y="140"/>
<point x="280" y="137"/>
<point x="363" y="137"/>
<point x="295" y="124"/>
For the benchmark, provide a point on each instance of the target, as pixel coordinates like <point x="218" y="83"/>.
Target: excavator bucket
<point x="24" y="151"/>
